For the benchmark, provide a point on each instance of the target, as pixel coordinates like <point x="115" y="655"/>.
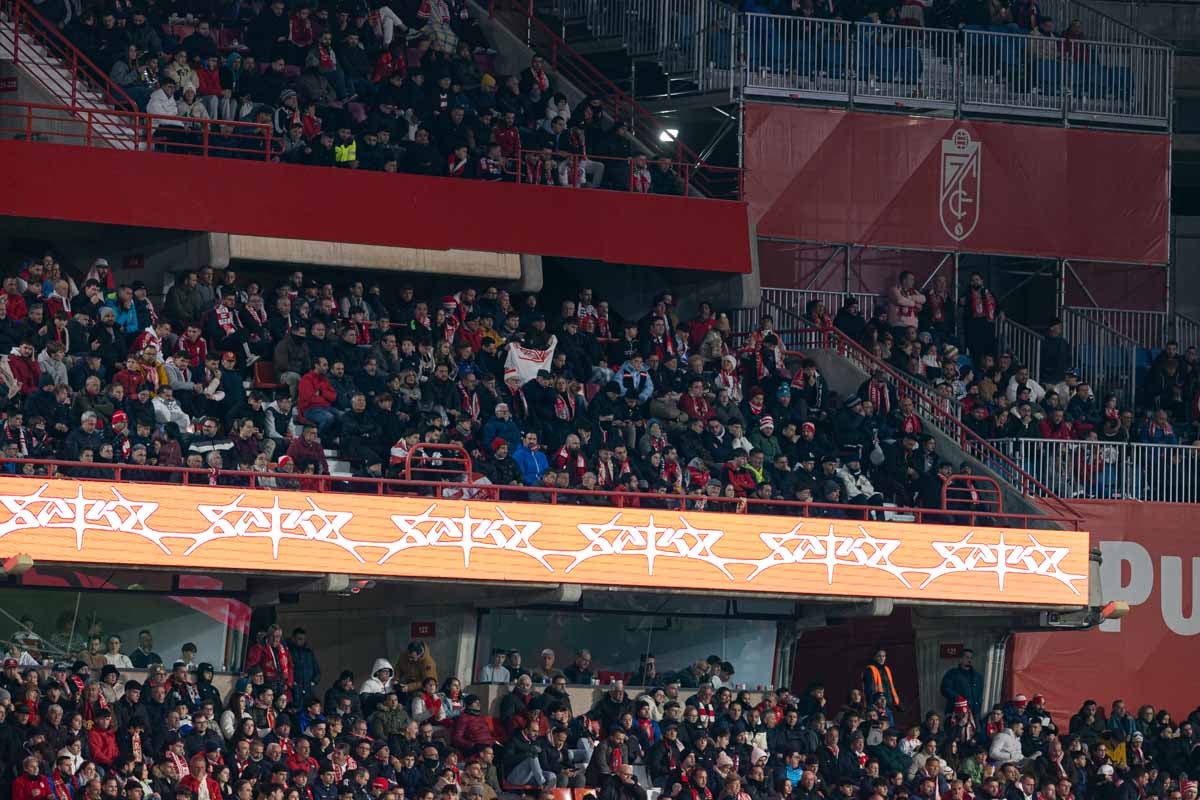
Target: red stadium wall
<point x="1151" y="560"/>
<point x="831" y="176"/>
<point x="47" y="181"/>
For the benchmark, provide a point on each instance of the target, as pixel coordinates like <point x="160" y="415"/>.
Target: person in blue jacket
<point x="531" y="460"/>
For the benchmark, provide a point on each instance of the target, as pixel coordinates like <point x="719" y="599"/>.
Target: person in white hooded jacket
<point x="381" y="680"/>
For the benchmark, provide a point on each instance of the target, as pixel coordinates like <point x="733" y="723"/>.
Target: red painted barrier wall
<point x="840" y="177"/>
<point x="178" y="192"/>
<point x="1151" y="560"/>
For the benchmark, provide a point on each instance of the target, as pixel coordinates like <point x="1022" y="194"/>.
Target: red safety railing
<point x="83" y="77"/>
<point x="519" y="17"/>
<point x="934" y="409"/>
<point x="136" y="131"/>
<point x="444" y="459"/>
<point x="981" y="514"/>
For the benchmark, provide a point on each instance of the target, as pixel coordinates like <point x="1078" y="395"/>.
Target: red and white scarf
<point x="983" y="304"/>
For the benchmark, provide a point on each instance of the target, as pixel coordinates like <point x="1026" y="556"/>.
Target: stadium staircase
<point x="44" y="57"/>
<point x="597" y="72"/>
<point x="654" y="50"/>
<point x="845" y="365"/>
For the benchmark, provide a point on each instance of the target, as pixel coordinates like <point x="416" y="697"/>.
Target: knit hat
<point x="766" y="422"/>
<point x="960" y="703"/>
<point x="497" y="443"/>
<point x="808" y="426"/>
<point x="784" y="391"/>
<point x="1020" y="701"/>
<point x="487" y="80"/>
<point x="119" y="416"/>
<point x="284" y="460"/>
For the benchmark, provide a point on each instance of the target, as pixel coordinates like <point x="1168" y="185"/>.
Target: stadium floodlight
<point x="668" y="135"/>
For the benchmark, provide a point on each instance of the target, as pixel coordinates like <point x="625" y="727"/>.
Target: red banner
<point x="843" y="177"/>
<point x="1151" y="561"/>
<point x="334" y="205"/>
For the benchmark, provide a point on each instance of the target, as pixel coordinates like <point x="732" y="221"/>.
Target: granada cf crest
<point x="958" y="205"/>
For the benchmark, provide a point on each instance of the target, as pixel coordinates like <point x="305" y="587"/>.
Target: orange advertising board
<point x="176" y="527"/>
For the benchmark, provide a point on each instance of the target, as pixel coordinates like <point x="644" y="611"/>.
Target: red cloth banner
<point x="842" y="177"/>
<point x="189" y="193"/>
<point x="1152" y="561"/>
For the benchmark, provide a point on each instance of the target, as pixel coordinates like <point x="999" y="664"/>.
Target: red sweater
<point x="315" y="391"/>
<point x="27" y="788"/>
<point x="210" y="81"/>
<point x="27" y="371"/>
<point x="103" y="746"/>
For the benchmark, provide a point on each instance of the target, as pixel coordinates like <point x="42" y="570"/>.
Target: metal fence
<point x="1150" y="329"/>
<point x="1147" y="328"/>
<point x="795" y="56"/>
<point x="1159" y="473"/>
<point x="1000" y="70"/>
<point x="903" y="64"/>
<point x="797" y="300"/>
<point x="1103" y="356"/>
<point x="686" y="37"/>
<point x="1024" y="343"/>
<point x="1096" y="24"/>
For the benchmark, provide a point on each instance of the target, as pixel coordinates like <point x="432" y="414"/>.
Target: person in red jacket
<point x="316" y="396"/>
<point x="25" y="368"/>
<point x="197" y="777"/>
<point x="471" y="732"/>
<point x="275" y="659"/>
<point x="737" y="476"/>
<point x="31" y="784"/>
<point x="102" y="740"/>
<point x="695" y="404"/>
<point x="1056" y="427"/>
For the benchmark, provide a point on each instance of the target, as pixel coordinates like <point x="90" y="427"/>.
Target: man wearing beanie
<point x="501" y="469"/>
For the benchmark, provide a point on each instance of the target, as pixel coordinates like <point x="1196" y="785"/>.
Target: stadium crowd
<point x="104" y="375"/>
<point x="919" y="333"/>
<point x="86" y="728"/>
<point x="355" y="85"/>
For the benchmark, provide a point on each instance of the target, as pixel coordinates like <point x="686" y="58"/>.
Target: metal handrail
<point x="1023" y="342"/>
<point x="59" y="46"/>
<point x="142" y="131"/>
<point x="1098" y="470"/>
<point x="976" y="70"/>
<point x="472" y="489"/>
<point x="1106" y="357"/>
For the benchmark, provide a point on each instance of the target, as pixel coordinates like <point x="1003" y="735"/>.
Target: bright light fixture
<point x="668" y="135"/>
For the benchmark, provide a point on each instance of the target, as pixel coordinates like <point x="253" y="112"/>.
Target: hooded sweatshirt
<point x="373" y="684"/>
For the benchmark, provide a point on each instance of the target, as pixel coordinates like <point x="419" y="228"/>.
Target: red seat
<point x="264" y="376"/>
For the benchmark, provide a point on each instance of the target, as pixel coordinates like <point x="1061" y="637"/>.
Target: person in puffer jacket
<point x="859" y="491"/>
<point x="380" y="681"/>
<point x="471" y="731"/>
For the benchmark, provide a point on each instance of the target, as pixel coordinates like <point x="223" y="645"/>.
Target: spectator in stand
<point x="980" y="310"/>
<point x="1056" y="353"/>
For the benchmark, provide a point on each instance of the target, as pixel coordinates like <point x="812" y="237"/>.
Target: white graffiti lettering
<point x="482" y="528"/>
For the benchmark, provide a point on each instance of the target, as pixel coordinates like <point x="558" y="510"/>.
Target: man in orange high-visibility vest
<point x="877" y="679"/>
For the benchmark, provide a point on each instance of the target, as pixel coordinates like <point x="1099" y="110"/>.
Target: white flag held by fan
<point x="525" y="362"/>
